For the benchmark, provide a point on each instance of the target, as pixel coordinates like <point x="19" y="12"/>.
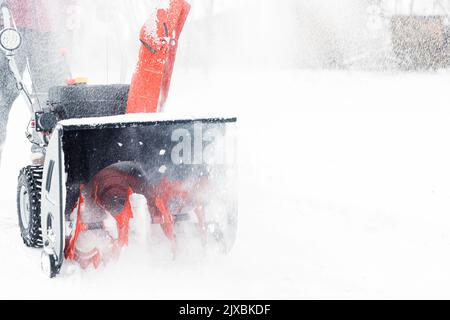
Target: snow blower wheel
<point x="29" y="205"/>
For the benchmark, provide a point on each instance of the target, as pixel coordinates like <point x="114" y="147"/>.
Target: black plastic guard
<point x="178" y="145"/>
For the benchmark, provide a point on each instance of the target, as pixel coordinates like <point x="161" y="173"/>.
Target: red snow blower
<point x="105" y="143"/>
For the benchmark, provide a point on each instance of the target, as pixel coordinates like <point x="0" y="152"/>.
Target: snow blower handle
<point x="10" y="41"/>
<point x="6" y="15"/>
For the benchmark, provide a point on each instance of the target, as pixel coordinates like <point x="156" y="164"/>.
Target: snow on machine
<point x="105" y="143"/>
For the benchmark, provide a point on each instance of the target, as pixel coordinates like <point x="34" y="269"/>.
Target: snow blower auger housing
<point x="93" y="168"/>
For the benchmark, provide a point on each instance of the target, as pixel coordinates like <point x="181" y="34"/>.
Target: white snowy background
<point x="344" y="174"/>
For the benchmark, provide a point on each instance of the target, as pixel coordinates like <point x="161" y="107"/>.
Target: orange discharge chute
<point x="159" y="38"/>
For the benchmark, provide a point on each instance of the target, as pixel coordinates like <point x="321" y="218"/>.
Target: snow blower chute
<point x="106" y="143"/>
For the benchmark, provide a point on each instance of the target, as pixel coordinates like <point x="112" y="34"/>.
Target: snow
<point x="143" y="118"/>
<point x="344" y="193"/>
<point x="151" y="28"/>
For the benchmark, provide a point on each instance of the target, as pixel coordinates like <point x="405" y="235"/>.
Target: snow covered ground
<point x="344" y="193"/>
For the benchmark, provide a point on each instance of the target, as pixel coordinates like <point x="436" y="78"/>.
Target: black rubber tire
<point x="30" y="178"/>
<point x="48" y="265"/>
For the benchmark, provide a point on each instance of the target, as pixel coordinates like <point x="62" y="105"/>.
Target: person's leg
<point x="8" y="92"/>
